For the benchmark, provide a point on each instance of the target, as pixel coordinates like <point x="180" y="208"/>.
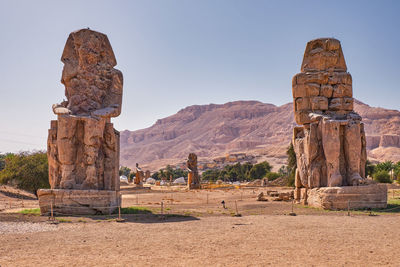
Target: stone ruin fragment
<point x="139" y="176"/>
<point x="83" y="146"/>
<point x="193" y="174"/>
<point x="330" y="145"/>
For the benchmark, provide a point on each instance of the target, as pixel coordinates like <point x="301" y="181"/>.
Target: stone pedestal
<point x="85" y="202"/>
<point x="343" y="197"/>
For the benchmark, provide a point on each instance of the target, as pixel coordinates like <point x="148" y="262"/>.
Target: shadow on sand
<point x="129" y="215"/>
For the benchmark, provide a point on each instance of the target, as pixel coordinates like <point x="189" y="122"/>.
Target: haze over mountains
<point x="259" y="129"/>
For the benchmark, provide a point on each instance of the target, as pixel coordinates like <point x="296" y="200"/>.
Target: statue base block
<point x="78" y="202"/>
<point x="348" y="197"/>
<point x="194" y="186"/>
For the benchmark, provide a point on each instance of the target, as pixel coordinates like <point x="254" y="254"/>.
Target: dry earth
<point x="197" y="233"/>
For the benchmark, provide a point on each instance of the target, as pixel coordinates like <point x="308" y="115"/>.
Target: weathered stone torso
<point x="330" y="146"/>
<point x="83" y="146"/>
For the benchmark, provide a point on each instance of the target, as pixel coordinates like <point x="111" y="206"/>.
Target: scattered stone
<point x="272" y="193"/>
<point x="284" y="196"/>
<point x="261" y="197"/>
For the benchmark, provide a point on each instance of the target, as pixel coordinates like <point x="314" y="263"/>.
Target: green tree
<point x="156" y="176"/>
<point x="382" y="176"/>
<point x="131" y="176"/>
<point x="246" y="167"/>
<point x="284" y="170"/>
<point x="396" y="171"/>
<point x="384" y="166"/>
<point x="169" y="172"/>
<point x="259" y="170"/>
<point x="211" y="175"/>
<point x="26" y="170"/>
<point x="2" y="161"/>
<point x="124" y="171"/>
<point x="369" y="168"/>
<point x="272" y="176"/>
<point x="291" y="161"/>
<point x="292" y="164"/>
<point x="180" y="173"/>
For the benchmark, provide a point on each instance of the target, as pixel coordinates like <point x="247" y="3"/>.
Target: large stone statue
<point x="193" y="174"/>
<point x="83" y="146"/>
<point x="330" y="145"/>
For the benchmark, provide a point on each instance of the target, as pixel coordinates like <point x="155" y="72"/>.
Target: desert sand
<point x="193" y="232"/>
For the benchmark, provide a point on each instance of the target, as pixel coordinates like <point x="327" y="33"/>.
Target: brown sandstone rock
<point x="139" y="176"/>
<point x="263" y="130"/>
<point x="331" y="145"/>
<point x="83" y="146"/>
<point x="392" y="140"/>
<point x="193" y="174"/>
<point x="72" y="202"/>
<point x="261" y="197"/>
<point x="352" y="197"/>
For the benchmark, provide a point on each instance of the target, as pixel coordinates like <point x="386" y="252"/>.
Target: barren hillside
<point x="251" y="127"/>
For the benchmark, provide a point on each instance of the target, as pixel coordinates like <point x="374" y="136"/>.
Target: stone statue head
<point x="91" y="82"/>
<point x="192" y="161"/>
<point x="323" y="54"/>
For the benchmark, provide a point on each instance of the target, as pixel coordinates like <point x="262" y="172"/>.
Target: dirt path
<point x="197" y="232"/>
<point x="217" y="241"/>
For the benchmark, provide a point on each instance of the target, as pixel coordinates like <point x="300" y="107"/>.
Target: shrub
<point x="259" y="170"/>
<point x="26" y="170"/>
<point x="384" y="166"/>
<point x="272" y="176"/>
<point x="291" y="178"/>
<point x="382" y="176"/>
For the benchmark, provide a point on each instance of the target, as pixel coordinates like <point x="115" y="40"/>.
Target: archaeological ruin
<point x="83" y="146"/>
<point x="193" y="174"/>
<point x="138" y="181"/>
<point x="330" y="144"/>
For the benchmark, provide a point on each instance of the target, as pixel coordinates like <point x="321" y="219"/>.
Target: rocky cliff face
<point x="252" y="127"/>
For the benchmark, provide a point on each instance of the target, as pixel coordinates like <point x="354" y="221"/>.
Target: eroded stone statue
<point x="83" y="146"/>
<point x="139" y="176"/>
<point x="87" y="144"/>
<point x="330" y="145"/>
<point x="193" y="174"/>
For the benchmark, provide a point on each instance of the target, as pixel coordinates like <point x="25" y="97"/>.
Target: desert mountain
<point x="260" y="130"/>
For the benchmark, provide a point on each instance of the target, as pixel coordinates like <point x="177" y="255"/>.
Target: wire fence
<point x="56" y="209"/>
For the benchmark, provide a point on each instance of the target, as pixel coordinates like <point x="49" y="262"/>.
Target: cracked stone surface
<point x="193" y="175"/>
<point x="83" y="146"/>
<point x="330" y="145"/>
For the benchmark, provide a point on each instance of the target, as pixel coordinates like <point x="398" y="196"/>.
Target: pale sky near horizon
<point x="179" y="53"/>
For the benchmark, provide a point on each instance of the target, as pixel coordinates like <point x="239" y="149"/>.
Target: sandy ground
<point x="197" y="233"/>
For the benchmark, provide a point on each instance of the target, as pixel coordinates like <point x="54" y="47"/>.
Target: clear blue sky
<point x="178" y="53"/>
